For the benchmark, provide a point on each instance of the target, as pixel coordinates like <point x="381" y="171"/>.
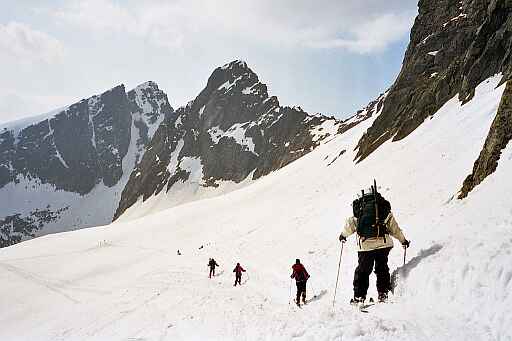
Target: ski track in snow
<point x="125" y="281"/>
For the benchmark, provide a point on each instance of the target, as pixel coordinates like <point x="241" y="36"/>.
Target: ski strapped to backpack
<point x="371" y="211"/>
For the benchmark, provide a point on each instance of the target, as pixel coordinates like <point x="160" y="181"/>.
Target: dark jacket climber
<point x="212" y="264"/>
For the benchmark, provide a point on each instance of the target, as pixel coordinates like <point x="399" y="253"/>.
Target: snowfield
<point x="125" y="281"/>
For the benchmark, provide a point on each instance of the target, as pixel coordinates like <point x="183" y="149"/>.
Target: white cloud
<point x="179" y="42"/>
<point x="360" y="26"/>
<point x="20" y="43"/>
<point x="105" y="17"/>
<point x="370" y="36"/>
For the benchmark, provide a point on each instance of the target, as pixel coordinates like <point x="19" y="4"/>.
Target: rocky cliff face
<point x="499" y="136"/>
<point x="89" y="146"/>
<point x="454" y="46"/>
<point x="231" y="131"/>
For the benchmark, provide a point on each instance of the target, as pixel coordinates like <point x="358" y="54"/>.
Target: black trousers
<point x="238" y="279"/>
<point x="301" y="290"/>
<point x="366" y="259"/>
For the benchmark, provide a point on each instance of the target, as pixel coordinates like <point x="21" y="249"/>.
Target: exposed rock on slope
<point x="499" y="136"/>
<point x="231" y="131"/>
<point x="50" y="165"/>
<point x="454" y="46"/>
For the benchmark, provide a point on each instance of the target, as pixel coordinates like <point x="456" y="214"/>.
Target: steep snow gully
<point x="125" y="281"/>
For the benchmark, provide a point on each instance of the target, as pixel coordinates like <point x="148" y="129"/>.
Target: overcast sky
<point x="326" y="56"/>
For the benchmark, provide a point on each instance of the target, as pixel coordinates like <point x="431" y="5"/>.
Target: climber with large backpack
<point x="374" y="224"/>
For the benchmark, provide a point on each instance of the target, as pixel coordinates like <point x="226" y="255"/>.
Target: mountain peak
<point x="147" y="85"/>
<point x="232" y="72"/>
<point x="233" y="77"/>
<point x="238" y="63"/>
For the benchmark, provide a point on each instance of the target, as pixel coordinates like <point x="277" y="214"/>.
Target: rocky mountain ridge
<point x="62" y="158"/>
<point x="82" y="165"/>
<point x="232" y="131"/>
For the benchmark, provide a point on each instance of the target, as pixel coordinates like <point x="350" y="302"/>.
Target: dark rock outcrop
<point x="15" y="228"/>
<point x="454" y="46"/>
<point x="231" y="130"/>
<point x="499" y="136"/>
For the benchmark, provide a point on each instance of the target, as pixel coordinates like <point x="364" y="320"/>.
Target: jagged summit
<point x="147" y="85"/>
<point x="235" y="76"/>
<point x="230" y="132"/>
<point x="232" y="94"/>
<point x="235" y="69"/>
<point x="237" y="63"/>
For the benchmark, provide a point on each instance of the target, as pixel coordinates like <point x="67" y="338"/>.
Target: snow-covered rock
<point x="66" y="169"/>
<point x="237" y="133"/>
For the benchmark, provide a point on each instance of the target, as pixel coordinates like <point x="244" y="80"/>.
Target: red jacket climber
<point x="238" y="273"/>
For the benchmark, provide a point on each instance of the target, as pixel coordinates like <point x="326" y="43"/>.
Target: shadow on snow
<point x="402" y="272"/>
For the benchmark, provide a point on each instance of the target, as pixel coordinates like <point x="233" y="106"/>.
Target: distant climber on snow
<point x="374" y="224"/>
<point x="238" y="273"/>
<point x="301" y="277"/>
<point x="212" y="264"/>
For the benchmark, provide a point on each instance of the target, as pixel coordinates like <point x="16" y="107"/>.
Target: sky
<point x="329" y="57"/>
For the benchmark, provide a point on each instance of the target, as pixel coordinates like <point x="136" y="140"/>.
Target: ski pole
<point x="290" y="295"/>
<point x="338" y="275"/>
<point x="405" y="254"/>
<point x="313" y="290"/>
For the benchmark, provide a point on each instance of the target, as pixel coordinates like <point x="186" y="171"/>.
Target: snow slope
<point x="126" y="282"/>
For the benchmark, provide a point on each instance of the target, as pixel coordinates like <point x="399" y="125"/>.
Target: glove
<point x="342" y="238"/>
<point x="405" y="244"/>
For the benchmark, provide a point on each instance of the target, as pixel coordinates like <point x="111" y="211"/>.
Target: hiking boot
<point x="357" y="300"/>
<point x="383" y="297"/>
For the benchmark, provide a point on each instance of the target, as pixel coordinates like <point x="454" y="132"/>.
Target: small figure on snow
<point x="238" y="273"/>
<point x="374" y="224"/>
<point x="212" y="264"/>
<point x="179" y="253"/>
<point x="301" y="277"/>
